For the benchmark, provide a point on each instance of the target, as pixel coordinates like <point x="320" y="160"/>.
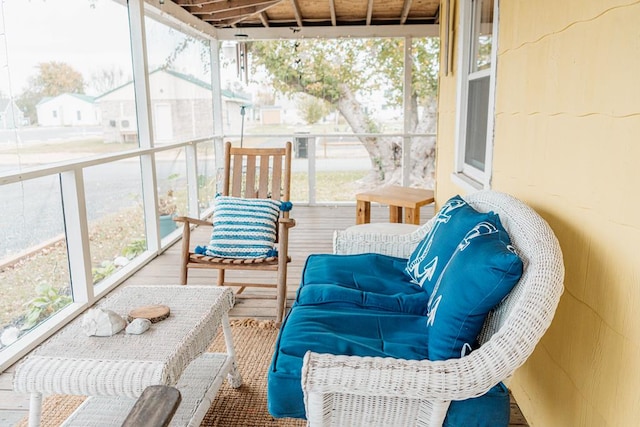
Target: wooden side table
<point x="411" y="199"/>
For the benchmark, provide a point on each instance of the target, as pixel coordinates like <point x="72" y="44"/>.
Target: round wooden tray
<point x="154" y="313"/>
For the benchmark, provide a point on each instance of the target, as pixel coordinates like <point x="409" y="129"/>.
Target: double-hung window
<point x="476" y="82"/>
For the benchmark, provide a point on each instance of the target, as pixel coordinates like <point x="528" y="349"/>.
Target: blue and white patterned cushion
<point x="481" y="272"/>
<point x="243" y="228"/>
<point x="452" y="223"/>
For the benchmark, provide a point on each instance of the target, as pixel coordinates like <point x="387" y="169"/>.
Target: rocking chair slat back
<point x="250" y="173"/>
<point x="263" y="183"/>
<point x="271" y="167"/>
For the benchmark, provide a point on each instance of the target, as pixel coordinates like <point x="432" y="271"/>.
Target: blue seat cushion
<point x="452" y="223"/>
<point x="337" y="331"/>
<point x="370" y="281"/>
<point x="492" y="409"/>
<point x="482" y="271"/>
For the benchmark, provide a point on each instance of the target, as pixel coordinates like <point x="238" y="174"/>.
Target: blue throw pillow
<point x="453" y="221"/>
<point x="243" y="228"/>
<point x="482" y="271"/>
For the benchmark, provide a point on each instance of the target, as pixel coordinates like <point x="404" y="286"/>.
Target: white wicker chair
<point x="370" y="391"/>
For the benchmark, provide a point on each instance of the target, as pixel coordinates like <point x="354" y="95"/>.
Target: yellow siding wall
<point x="567" y="141"/>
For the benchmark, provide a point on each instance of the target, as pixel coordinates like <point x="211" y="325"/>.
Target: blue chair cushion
<point x="482" y="271"/>
<point x="451" y="224"/>
<point x="332" y="330"/>
<point x="370" y="281"/>
<point x="492" y="409"/>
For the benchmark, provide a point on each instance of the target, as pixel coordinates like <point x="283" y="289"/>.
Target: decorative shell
<point x="9" y="335"/>
<point x="100" y="322"/>
<point x="138" y="326"/>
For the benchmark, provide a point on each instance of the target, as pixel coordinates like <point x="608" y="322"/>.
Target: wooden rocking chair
<point x="250" y="173"/>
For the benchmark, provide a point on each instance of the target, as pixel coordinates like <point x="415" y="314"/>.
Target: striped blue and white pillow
<point x="243" y="228"/>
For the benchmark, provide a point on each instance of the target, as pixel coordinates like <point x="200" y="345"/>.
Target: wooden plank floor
<point x="312" y="234"/>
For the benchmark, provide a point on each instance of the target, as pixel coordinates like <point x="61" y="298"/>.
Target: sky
<point x="89" y="35"/>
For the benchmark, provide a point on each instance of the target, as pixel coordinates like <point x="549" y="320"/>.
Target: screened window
<point x="475" y="123"/>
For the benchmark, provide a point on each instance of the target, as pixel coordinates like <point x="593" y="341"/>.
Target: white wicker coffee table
<point x="117" y="369"/>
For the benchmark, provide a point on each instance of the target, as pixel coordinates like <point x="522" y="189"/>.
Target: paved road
<point x="32" y="210"/>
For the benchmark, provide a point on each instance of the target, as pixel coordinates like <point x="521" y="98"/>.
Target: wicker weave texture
<point x="347" y="242"/>
<point x="123" y="365"/>
<point x="198" y="386"/>
<point x="367" y="391"/>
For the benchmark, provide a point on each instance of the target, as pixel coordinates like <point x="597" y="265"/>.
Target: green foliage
<point x="313" y="109"/>
<point x="347" y="72"/>
<point x="106" y="269"/>
<point x="135" y="248"/>
<point x="48" y="301"/>
<point x="326" y="68"/>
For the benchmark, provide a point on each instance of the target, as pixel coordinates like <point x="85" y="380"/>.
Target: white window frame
<point x="465" y="174"/>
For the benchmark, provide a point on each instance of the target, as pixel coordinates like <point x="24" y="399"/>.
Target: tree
<point x="341" y="72"/>
<point x="107" y="79"/>
<point x="53" y="78"/>
<point x="312" y="109"/>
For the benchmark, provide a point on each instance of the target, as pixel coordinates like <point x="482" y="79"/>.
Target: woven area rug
<point x="243" y="407"/>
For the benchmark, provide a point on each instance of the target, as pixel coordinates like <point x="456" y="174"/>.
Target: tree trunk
<point x="386" y="152"/>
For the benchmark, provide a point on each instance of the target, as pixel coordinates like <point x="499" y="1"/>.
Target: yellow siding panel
<point x="567" y="141"/>
<point x="627" y="400"/>
<point x="577" y="70"/>
<point x="542" y="18"/>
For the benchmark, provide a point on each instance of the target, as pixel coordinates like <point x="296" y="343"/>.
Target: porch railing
<point x="72" y="180"/>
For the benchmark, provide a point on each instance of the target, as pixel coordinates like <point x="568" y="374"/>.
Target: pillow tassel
<point x="200" y="250"/>
<point x="272" y="253"/>
<point x="286" y="206"/>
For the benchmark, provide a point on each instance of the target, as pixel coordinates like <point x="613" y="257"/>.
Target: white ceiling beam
<point x="274" y="33"/>
<point x="296" y="12"/>
<point x="332" y="8"/>
<point x="369" y="12"/>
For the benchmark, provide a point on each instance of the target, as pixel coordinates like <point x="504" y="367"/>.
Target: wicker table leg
<point x="234" y="378"/>
<point x="35" y="409"/>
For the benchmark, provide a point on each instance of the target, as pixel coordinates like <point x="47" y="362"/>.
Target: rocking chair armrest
<point x="287" y="222"/>
<point x="188" y="220"/>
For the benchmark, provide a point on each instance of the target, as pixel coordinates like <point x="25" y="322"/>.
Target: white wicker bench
<point x="372" y="391"/>
<point x="198" y="386"/>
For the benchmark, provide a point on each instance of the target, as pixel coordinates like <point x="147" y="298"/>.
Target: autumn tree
<point x="341" y="72"/>
<point x="312" y="109"/>
<point x="53" y="78"/>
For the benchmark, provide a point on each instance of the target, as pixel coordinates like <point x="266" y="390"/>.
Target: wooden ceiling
<point x="311" y="13"/>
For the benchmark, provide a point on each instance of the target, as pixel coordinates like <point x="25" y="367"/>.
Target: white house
<point x="11" y="116"/>
<point x="68" y="109"/>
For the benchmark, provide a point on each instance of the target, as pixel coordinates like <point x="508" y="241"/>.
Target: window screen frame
<point x="465" y="173"/>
